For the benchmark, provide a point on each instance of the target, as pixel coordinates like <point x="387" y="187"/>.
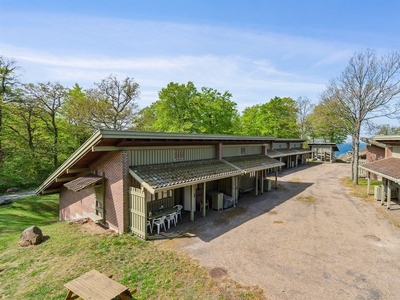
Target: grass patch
<point x="307" y="199"/>
<point x="40" y="272"/>
<point x="360" y="190"/>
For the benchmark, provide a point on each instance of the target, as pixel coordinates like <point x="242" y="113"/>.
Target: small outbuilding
<point x="323" y="151"/>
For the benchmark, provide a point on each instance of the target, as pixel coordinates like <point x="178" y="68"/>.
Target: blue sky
<point x="254" y="49"/>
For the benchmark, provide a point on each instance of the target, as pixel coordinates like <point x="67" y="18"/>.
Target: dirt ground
<point x="307" y="240"/>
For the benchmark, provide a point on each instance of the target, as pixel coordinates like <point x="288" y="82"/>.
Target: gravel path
<point x="17" y="195"/>
<point x="339" y="247"/>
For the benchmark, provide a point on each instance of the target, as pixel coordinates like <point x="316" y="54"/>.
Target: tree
<point x="277" y="118"/>
<point x="217" y="113"/>
<point x="49" y="98"/>
<point x="364" y="91"/>
<point x="182" y="108"/>
<point x="8" y="80"/>
<point x="326" y="126"/>
<point x="111" y="105"/>
<point x="386" y="129"/>
<point x="304" y="110"/>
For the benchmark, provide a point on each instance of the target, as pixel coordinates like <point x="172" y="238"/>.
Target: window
<point x="179" y="154"/>
<point x="242" y="151"/>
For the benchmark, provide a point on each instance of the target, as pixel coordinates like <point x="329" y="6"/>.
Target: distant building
<point x="383" y="162"/>
<point x="323" y="151"/>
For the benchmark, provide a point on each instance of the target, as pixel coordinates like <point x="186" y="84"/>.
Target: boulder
<point x="12" y="190"/>
<point x="31" y="236"/>
<point x="5" y="201"/>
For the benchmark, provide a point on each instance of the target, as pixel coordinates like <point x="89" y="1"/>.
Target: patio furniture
<point x="160" y="222"/>
<point x="179" y="210"/>
<point x="150" y="225"/>
<point x="171" y="218"/>
<point x="95" y="285"/>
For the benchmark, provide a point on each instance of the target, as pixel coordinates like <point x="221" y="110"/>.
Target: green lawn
<point x="39" y="272"/>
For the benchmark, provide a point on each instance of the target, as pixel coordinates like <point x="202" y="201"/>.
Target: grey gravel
<point x="339" y="247"/>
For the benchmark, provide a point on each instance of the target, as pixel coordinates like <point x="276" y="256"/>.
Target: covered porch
<point x="191" y="186"/>
<point x="389" y="170"/>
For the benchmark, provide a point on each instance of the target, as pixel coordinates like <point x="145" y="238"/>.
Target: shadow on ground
<point x="217" y="223"/>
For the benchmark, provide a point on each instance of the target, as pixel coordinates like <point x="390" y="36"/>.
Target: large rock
<point x="31" y="236"/>
<point x="12" y="190"/>
<point x="5" y="201"/>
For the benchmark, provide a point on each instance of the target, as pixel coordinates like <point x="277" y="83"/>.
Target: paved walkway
<point x="17" y="195"/>
<point x="339" y="247"/>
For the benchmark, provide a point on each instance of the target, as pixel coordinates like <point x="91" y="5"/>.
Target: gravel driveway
<point x="338" y="247"/>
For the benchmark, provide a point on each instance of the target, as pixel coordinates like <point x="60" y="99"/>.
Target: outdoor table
<point x="158" y="214"/>
<point x="95" y="285"/>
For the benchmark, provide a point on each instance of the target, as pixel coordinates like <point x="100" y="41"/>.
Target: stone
<point x="6" y="201"/>
<point x="31" y="236"/>
<point x="12" y="190"/>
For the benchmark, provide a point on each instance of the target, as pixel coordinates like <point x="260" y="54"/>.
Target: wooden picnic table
<point x="94" y="285"/>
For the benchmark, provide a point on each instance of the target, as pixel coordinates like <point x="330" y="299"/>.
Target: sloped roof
<point x="250" y="163"/>
<point x="83" y="182"/>
<point x="333" y="145"/>
<point x="179" y="174"/>
<point x="388" y="168"/>
<point x="286" y="152"/>
<point x="103" y="141"/>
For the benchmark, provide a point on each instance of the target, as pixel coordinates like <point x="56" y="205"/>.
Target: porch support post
<point x="276" y="178"/>
<point x="383" y="192"/>
<point x="389" y="195"/>
<point x="369" y="184"/>
<point x="192" y="201"/>
<point x="262" y="181"/>
<point x="256" y="183"/>
<point x="233" y="191"/>
<point x="204" y="200"/>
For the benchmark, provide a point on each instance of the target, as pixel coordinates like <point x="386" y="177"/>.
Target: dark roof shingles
<point x="82" y="182"/>
<point x="388" y="166"/>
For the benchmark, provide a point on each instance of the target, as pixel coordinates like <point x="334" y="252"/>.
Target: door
<point x="138" y="212"/>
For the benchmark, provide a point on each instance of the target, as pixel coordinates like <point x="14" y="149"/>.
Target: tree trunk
<point x="356" y="151"/>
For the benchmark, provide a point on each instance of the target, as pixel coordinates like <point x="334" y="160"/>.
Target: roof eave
<point x="70" y="161"/>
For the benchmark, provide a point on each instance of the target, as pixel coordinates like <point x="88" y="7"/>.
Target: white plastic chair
<point x="159" y="222"/>
<point x="149" y="225"/>
<point x="178" y="212"/>
<point x="171" y="218"/>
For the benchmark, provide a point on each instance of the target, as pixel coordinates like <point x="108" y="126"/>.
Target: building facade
<point x="119" y="177"/>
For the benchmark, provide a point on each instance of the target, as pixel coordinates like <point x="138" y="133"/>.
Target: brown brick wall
<point x="375" y="153"/>
<point x="115" y="167"/>
<point x="388" y="152"/>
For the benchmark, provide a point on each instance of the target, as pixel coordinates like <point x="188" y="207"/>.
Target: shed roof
<point x="83" y="182"/>
<point x="388" y="168"/>
<point x="333" y="145"/>
<point x="251" y="163"/>
<point x="172" y="175"/>
<point x="286" y="152"/>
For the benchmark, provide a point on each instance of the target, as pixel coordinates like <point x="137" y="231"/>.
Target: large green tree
<point x="9" y="79"/>
<point x="323" y="125"/>
<point x="182" y="108"/>
<point x="277" y="117"/>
